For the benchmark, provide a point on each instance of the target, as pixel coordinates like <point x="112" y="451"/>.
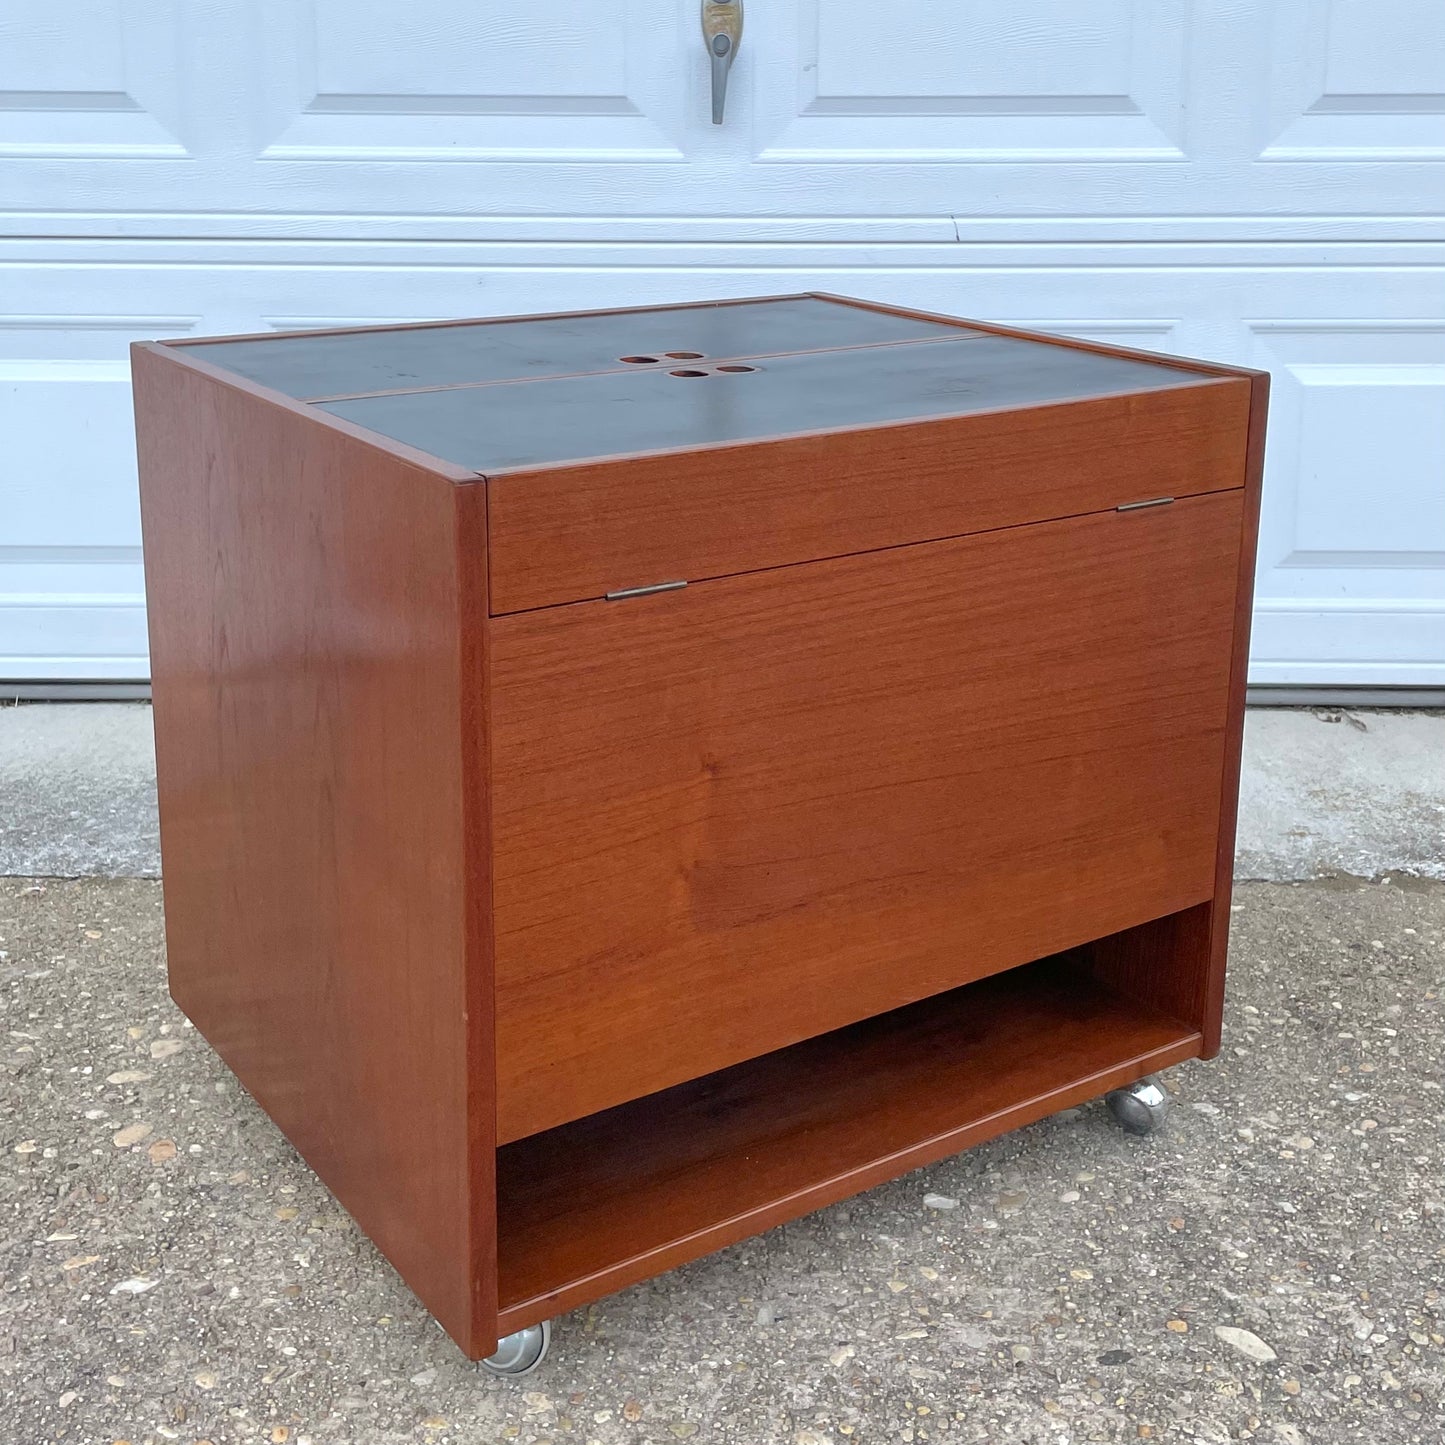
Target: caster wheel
<point x="1140" y="1108"/>
<point x="520" y="1353"/>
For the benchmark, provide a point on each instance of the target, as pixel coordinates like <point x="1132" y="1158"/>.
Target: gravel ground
<point x="172" y="1271"/>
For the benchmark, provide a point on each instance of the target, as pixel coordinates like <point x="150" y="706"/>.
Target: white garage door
<point x="1249" y="180"/>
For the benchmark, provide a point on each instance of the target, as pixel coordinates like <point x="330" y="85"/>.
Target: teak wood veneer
<point x="572" y="921"/>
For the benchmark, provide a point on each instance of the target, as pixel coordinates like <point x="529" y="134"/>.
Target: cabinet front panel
<point x="570" y="534"/>
<point x="733" y="816"/>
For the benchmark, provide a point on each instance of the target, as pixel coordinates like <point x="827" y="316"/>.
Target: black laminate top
<point x="349" y="362"/>
<point x="650" y="409"/>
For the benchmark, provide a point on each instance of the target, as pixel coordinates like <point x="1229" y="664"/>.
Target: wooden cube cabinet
<point x="630" y="778"/>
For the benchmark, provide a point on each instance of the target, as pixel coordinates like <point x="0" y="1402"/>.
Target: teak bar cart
<point x="630" y="778"/>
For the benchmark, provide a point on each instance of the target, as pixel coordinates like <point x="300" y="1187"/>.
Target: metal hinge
<point x="643" y="591"/>
<point x="1135" y="506"/>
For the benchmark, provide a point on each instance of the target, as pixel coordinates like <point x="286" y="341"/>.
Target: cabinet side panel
<point x="314" y="717"/>
<point x="1164" y="962"/>
<point x="1177" y="962"/>
<point x="1213" y="1020"/>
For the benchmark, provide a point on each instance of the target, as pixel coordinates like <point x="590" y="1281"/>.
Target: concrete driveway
<point x="1271" y="1268"/>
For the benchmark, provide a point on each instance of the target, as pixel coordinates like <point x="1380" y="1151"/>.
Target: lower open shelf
<point x="592" y="1206"/>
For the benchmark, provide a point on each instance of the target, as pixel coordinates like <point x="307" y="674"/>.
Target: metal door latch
<point x="722" y="32"/>
<point x="647" y="591"/>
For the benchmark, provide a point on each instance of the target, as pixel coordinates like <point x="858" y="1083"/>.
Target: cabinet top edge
<point x="420" y="460"/>
<point x="810" y="320"/>
<point x="686" y="406"/>
<point x="501" y="396"/>
<point x="437" y="323"/>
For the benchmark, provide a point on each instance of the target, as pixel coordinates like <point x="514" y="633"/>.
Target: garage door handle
<point x="722" y="31"/>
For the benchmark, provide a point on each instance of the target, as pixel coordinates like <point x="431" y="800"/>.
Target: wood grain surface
<point x="317" y="675"/>
<point x="597" y="1205"/>
<point x="730" y="817"/>
<point x="1164" y="962"/>
<point x="555" y="932"/>
<point x="564" y="534"/>
<point x="1213" y="1018"/>
<point x="1177" y="962"/>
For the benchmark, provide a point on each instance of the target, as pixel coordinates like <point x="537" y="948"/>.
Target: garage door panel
<point x="72" y="601"/>
<point x="1355" y="78"/>
<point x="434" y="82"/>
<point x="97" y="79"/>
<point x="301" y="110"/>
<point x="1352" y="527"/>
<point x="1351" y="585"/>
<point x="973" y="83"/>
<point x="1222" y="178"/>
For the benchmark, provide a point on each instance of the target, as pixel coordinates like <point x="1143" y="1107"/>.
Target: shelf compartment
<point x="592" y="1206"/>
